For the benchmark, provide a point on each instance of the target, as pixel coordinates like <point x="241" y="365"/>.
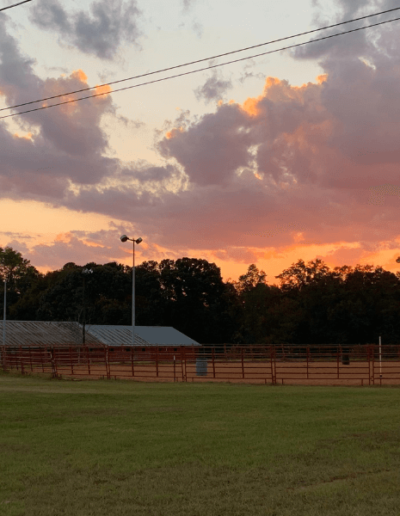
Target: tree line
<point x="310" y="304"/>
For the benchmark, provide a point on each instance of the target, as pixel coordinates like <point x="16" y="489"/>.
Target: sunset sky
<point x="287" y="156"/>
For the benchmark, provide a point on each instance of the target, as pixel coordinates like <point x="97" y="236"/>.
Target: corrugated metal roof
<point x="113" y="335"/>
<point x="43" y="333"/>
<point x="144" y="335"/>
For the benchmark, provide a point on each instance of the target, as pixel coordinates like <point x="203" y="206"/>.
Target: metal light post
<point x="85" y="272"/>
<point x="124" y="238"/>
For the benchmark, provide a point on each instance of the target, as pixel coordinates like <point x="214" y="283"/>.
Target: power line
<point x="196" y="71"/>
<point x="199" y="60"/>
<point x="15" y="5"/>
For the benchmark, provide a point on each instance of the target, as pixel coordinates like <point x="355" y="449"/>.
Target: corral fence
<point x="278" y="364"/>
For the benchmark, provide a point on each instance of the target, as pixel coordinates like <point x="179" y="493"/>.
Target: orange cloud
<point x="250" y="106"/>
<point x="174" y="132"/>
<point x="90" y="243"/>
<point x="79" y="74"/>
<point x="64" y="237"/>
<point x="27" y="136"/>
<point x="103" y="90"/>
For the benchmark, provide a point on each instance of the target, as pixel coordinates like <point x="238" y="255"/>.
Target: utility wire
<point x="199" y="60"/>
<point x="15" y="5"/>
<point x="195" y="71"/>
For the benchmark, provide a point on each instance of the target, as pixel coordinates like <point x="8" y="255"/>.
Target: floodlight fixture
<point x="124" y="238"/>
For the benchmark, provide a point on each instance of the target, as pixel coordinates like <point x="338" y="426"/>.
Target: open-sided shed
<point x="61" y="334"/>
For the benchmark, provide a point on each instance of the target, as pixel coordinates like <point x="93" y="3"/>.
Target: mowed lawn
<point x="114" y="448"/>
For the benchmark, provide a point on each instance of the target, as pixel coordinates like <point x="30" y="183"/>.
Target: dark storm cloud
<point x="100" y="31"/>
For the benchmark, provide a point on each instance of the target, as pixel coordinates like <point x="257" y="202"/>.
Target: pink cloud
<point x="310" y="165"/>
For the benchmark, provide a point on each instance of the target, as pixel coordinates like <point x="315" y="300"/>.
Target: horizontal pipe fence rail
<point x="273" y="364"/>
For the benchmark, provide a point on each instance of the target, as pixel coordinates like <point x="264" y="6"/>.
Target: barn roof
<point x="148" y="335"/>
<point x="44" y="333"/>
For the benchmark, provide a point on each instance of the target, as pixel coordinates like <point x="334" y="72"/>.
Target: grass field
<point x="115" y="448"/>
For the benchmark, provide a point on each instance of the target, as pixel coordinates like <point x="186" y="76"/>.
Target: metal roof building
<point x="144" y="335"/>
<point x="41" y="333"/>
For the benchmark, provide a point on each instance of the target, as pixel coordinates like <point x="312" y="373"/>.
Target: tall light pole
<point x="85" y="272"/>
<point x="124" y="238"/>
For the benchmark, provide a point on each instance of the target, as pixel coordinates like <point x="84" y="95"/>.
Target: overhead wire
<point x="15" y="5"/>
<point x="198" y="60"/>
<point x="197" y="70"/>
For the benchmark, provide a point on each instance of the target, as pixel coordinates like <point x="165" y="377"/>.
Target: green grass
<point x="114" y="448"/>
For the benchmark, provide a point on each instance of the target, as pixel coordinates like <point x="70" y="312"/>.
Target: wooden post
<point x="133" y="360"/>
<point x="242" y="364"/>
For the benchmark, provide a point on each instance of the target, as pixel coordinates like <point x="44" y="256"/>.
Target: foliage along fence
<point x="278" y="364"/>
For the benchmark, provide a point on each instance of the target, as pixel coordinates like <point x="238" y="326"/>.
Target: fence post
<point x="53" y="363"/>
<point x="132" y="360"/>
<point x="181" y="359"/>
<point x="242" y="351"/>
<point x="373" y="363"/>
<point x="184" y="354"/>
<point x="21" y="358"/>
<point x="337" y="359"/>
<point x="71" y="361"/>
<point x="369" y="363"/>
<point x="174" y="370"/>
<point x="107" y="355"/>
<point x="213" y="362"/>
<point x="4" y="358"/>
<point x="88" y="360"/>
<point x="157" y="362"/>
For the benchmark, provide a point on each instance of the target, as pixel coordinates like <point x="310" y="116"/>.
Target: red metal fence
<point x="313" y="365"/>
